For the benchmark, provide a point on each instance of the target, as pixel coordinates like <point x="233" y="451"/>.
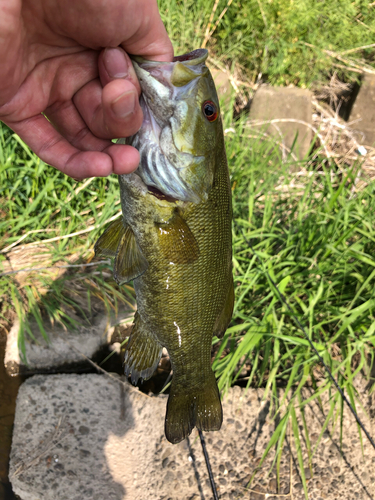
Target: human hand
<point x="53" y="62"/>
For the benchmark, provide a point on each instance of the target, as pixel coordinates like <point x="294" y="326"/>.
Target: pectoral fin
<point x="107" y="244"/>
<point x="225" y="316"/>
<point x="143" y="352"/>
<point x="129" y="260"/>
<point x="177" y="242"/>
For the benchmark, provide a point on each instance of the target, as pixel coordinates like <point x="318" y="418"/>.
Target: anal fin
<point x="143" y="352"/>
<point x="225" y="315"/>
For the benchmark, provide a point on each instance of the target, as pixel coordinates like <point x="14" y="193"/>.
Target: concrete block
<point x="60" y="354"/>
<point x="284" y="104"/>
<point x="223" y="86"/>
<point x="88" y="437"/>
<point x="363" y="111"/>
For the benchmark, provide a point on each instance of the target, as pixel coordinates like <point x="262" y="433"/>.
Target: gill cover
<point x="177" y="141"/>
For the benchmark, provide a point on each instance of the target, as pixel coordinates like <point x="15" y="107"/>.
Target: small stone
<point x="169" y="477"/>
<point x="246" y="480"/>
<point x="307" y="473"/>
<point x="167" y="453"/>
<point x="365" y="476"/>
<point x="257" y="496"/>
<point x="272" y="484"/>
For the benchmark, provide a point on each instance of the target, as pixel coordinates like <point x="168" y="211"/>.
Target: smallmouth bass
<point x="174" y="239"/>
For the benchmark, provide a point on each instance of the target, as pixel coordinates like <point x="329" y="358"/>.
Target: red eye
<point x="210" y="111"/>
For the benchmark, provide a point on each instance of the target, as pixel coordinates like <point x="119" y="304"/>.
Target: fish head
<point x="182" y="128"/>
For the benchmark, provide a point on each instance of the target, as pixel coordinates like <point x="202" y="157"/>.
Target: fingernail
<point x="124" y="105"/>
<point x="115" y="63"/>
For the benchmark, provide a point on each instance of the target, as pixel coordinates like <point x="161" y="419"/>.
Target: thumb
<point x="114" y="64"/>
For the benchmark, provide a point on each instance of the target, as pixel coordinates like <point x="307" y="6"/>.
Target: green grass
<point x="40" y="203"/>
<point x="315" y="239"/>
<point x="269" y="37"/>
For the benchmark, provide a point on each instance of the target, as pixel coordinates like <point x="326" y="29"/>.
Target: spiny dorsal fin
<point x="129" y="261"/>
<point x="177" y="242"/>
<point x="107" y="244"/>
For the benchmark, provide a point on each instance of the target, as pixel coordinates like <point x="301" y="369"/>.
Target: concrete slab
<point x="60" y="354"/>
<point x="288" y="107"/>
<point x="223" y="86"/>
<point x="363" y="111"/>
<point x="81" y="437"/>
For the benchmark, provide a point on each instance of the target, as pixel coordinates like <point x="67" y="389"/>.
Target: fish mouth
<point x="193" y="58"/>
<point x="168" y="164"/>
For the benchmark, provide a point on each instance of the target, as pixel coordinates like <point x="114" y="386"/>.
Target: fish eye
<point x="210" y="110"/>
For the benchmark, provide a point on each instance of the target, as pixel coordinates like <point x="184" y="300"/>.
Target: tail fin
<point x="187" y="408"/>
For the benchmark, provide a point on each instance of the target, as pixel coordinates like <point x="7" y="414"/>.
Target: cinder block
<point x="290" y="105"/>
<point x="363" y="110"/>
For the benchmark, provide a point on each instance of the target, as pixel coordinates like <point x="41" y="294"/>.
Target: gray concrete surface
<point x="61" y="353"/>
<point x="81" y="437"/>
<point x="285" y="104"/>
<point x="223" y="85"/>
<point x="362" y="115"/>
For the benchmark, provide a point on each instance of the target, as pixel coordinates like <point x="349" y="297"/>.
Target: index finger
<point x="54" y="149"/>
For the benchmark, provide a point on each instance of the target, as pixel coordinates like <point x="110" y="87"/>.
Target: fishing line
<point x="284" y="301"/>
<point x="209" y="470"/>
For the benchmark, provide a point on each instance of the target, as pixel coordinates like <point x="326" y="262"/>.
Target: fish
<point x="174" y="238"/>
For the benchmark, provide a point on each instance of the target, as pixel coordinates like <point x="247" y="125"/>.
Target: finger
<point x="151" y="39"/>
<point x="110" y="112"/>
<point x="114" y="63"/>
<point x="11" y="38"/>
<point x="68" y="121"/>
<point x="55" y="150"/>
<point x="125" y="158"/>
